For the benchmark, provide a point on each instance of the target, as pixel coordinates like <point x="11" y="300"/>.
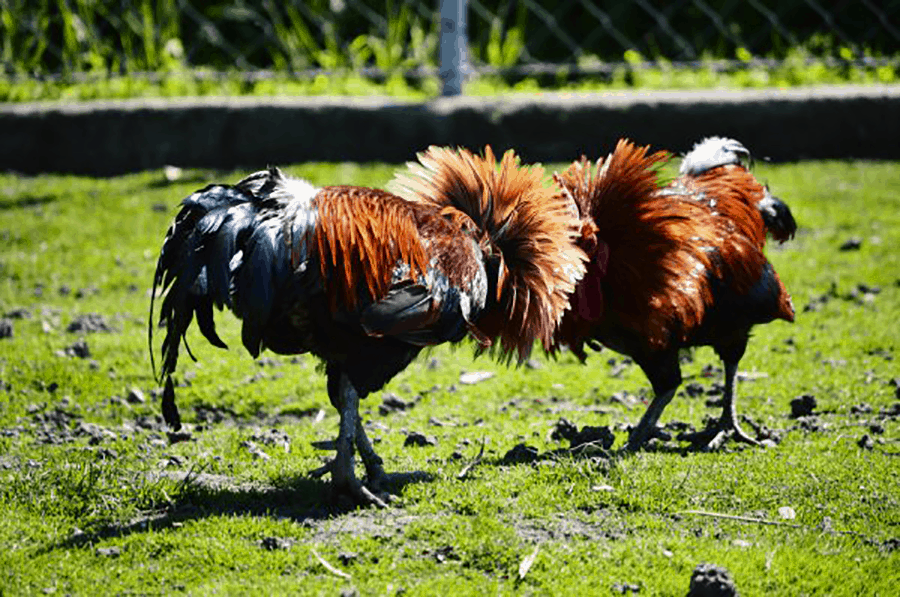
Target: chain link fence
<point x="553" y="41"/>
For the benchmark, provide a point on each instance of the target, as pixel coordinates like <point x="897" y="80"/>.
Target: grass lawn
<point x="97" y="500"/>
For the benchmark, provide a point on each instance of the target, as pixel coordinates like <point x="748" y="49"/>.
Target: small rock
<point x="391" y="403"/>
<point x="110" y="552"/>
<point x="79" y="350"/>
<point x="865" y="442"/>
<point x="415" y="438"/>
<point x="851" y="244"/>
<point x="803" y="406"/>
<point x="475" y="377"/>
<point x="787" y="513"/>
<point x="860" y="409"/>
<point x="626" y="587"/>
<point x="135" y="396"/>
<point x="6" y="328"/>
<point x="275" y="543"/>
<point x="709" y="580"/>
<point x="254" y="450"/>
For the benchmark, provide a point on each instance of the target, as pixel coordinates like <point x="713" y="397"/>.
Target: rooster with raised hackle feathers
<point x="365" y="279"/>
<point x="673" y="266"/>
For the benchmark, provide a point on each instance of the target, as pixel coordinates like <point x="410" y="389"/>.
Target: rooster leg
<point x="646" y="428"/>
<point x="375" y="474"/>
<point x="664" y="373"/>
<point x="343" y="477"/>
<point x="727" y="426"/>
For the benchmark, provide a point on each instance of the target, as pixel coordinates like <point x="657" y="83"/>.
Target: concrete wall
<point x="112" y="137"/>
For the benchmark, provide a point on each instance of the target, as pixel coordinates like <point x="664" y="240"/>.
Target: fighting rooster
<point x="365" y="279"/>
<point x="674" y="266"/>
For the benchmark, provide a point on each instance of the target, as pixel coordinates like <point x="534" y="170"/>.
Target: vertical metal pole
<point x="454" y="46"/>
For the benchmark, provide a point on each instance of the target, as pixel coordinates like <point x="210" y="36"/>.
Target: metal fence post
<point x="454" y="42"/>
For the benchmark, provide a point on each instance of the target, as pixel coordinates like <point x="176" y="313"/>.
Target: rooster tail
<point x="527" y="232"/>
<point x="193" y="274"/>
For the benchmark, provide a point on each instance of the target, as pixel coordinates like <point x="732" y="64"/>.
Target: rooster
<point x="674" y="266"/>
<point x="364" y="279"/>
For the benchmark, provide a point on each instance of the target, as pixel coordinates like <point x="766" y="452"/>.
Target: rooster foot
<point x="639" y="439"/>
<point x="714" y="437"/>
<point x="347" y="484"/>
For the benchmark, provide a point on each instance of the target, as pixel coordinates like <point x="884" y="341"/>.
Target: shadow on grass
<point x="27" y="201"/>
<point x="301" y="499"/>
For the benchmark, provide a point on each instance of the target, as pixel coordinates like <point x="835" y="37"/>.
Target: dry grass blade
<point x="742" y="518"/>
<point x="328" y="566"/>
<point x="528" y="561"/>
<point x="468" y="468"/>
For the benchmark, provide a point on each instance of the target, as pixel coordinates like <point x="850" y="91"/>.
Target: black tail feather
<point x="169" y="409"/>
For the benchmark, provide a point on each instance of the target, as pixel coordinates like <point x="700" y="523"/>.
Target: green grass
<point x="96" y="500"/>
<point x="796" y="72"/>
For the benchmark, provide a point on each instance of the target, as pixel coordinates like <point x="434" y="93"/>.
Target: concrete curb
<point x="113" y="137"/>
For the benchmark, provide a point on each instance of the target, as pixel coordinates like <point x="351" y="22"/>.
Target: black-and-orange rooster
<point x="364" y="279"/>
<point x="674" y="266"/>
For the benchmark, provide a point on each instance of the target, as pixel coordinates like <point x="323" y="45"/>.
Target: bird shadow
<point x="27" y="201"/>
<point x="302" y="499"/>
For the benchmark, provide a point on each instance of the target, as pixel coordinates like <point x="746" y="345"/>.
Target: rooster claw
<point x="353" y="488"/>
<point x="635" y="442"/>
<point x="714" y="437"/>
<point x="360" y="494"/>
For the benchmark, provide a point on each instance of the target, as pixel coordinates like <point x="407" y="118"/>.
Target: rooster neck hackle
<point x="364" y="234"/>
<point x="526" y="232"/>
<point x="641" y="244"/>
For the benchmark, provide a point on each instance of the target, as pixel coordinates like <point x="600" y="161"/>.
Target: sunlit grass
<point x="96" y="500"/>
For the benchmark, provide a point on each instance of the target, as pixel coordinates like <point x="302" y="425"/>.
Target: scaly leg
<point x="375" y="475"/>
<point x="664" y="373"/>
<point x="646" y="428"/>
<point x="343" y="476"/>
<point x="727" y="426"/>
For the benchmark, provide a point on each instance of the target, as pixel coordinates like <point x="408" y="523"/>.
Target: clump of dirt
<point x="79" y="349"/>
<point x="391" y="403"/>
<point x="803" y="406"/>
<point x="709" y="580"/>
<point x="598" y="436"/>
<point x="521" y="454"/>
<point x="6" y="328"/>
<point x="88" y="324"/>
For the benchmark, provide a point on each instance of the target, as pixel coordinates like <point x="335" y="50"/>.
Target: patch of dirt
<point x="6" y="328"/>
<point x="566" y="526"/>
